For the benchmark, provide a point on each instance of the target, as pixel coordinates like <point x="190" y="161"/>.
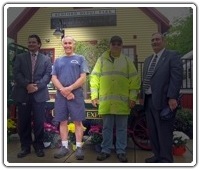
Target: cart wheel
<point x="139" y="133"/>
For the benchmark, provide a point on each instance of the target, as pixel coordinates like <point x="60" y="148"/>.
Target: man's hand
<point x="65" y="91"/>
<point x="132" y="103"/>
<point x="70" y="96"/>
<point x="173" y="104"/>
<point x="31" y="88"/>
<point x="95" y="102"/>
<point x="141" y="101"/>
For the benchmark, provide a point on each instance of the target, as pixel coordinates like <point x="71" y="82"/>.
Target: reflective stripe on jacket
<point x="114" y="84"/>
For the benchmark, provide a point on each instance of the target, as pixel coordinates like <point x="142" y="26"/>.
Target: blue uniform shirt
<point x="68" y="69"/>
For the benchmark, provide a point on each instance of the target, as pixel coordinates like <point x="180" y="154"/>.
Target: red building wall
<point x="187" y="101"/>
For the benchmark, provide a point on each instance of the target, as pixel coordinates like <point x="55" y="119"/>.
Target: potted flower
<point x="11" y="128"/>
<point x="51" y="136"/>
<point x="179" y="142"/>
<point x="96" y="136"/>
<point x="184" y="122"/>
<point x="71" y="134"/>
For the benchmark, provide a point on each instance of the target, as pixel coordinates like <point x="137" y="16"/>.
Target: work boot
<point x="79" y="153"/>
<point x="24" y="152"/>
<point x="122" y="157"/>
<point x="62" y="152"/>
<point x="152" y="159"/>
<point x="102" y="156"/>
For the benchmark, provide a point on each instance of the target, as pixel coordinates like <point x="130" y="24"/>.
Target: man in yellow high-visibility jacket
<point x="114" y="85"/>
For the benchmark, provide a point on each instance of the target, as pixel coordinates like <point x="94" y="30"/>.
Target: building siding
<point x="131" y="21"/>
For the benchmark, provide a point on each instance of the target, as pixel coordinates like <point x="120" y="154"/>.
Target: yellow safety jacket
<point x="114" y="84"/>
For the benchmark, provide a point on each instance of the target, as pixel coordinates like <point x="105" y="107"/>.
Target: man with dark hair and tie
<point x="32" y="73"/>
<point x="162" y="80"/>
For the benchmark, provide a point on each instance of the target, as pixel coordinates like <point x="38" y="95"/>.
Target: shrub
<point x="184" y="121"/>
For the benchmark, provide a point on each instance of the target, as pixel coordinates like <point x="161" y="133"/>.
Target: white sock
<point x="65" y="143"/>
<point x="79" y="144"/>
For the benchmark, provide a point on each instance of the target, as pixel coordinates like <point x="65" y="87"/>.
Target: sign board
<point x="92" y="114"/>
<point x="84" y="18"/>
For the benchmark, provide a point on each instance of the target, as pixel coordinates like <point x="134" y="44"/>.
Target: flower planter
<point x="178" y="150"/>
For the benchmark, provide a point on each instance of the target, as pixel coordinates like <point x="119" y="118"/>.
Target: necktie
<point x="146" y="83"/>
<point x="33" y="61"/>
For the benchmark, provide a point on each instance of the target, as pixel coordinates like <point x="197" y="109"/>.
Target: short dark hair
<point x="36" y="37"/>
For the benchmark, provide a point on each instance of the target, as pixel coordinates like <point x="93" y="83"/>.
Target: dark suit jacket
<point x="23" y="76"/>
<point x="166" y="80"/>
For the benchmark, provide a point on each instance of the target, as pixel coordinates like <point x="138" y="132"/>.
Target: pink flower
<point x="48" y="129"/>
<point x="95" y="129"/>
<point x="47" y="125"/>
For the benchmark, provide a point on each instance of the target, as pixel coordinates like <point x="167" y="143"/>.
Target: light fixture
<point x="59" y="31"/>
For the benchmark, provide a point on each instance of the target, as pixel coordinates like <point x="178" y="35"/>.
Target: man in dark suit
<point x="160" y="90"/>
<point x="32" y="73"/>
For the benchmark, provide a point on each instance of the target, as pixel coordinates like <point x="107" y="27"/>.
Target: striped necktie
<point x="33" y="61"/>
<point x="146" y="82"/>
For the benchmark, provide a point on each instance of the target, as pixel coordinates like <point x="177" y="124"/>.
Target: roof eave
<point x="20" y="21"/>
<point x="160" y="19"/>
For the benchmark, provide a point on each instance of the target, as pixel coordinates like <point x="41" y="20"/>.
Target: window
<point x="50" y="52"/>
<point x="130" y="52"/>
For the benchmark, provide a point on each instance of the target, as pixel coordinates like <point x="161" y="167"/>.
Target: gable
<point x="27" y="14"/>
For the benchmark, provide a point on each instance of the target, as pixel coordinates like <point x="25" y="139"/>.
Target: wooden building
<point x="134" y="24"/>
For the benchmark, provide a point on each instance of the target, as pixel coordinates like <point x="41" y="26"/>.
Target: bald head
<point x="68" y="44"/>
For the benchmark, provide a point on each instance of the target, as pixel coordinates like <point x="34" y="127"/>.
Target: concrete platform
<point x="135" y="156"/>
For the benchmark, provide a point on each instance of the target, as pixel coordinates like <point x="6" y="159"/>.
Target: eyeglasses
<point x="116" y="44"/>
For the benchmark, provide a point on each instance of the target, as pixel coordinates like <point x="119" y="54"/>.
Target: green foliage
<point x="11" y="127"/>
<point x="72" y="138"/>
<point x="180" y="35"/>
<point x="102" y="46"/>
<point x="91" y="51"/>
<point x="53" y="138"/>
<point x="96" y="138"/>
<point x="185" y="115"/>
<point x="184" y="121"/>
<point x="96" y="134"/>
